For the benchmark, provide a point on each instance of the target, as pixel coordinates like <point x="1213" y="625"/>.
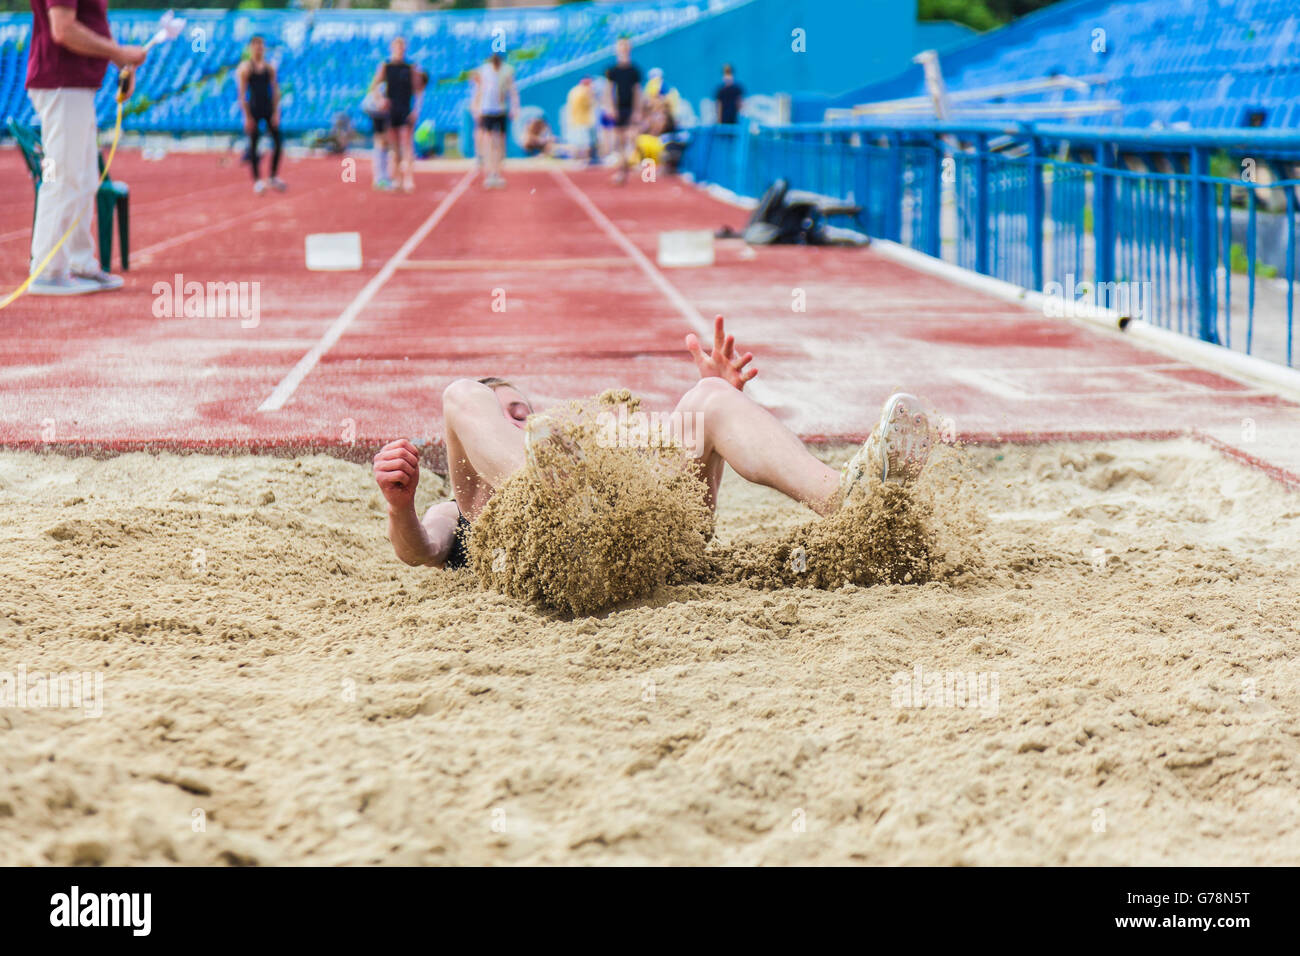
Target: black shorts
<point x="399" y="118"/>
<point x="624" y="117"/>
<point x="493" y="122"/>
<point x="458" y="557"/>
<point x="378" y="123"/>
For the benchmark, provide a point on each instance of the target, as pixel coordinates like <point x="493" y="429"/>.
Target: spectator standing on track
<point x="625" y="104"/>
<point x="375" y="106"/>
<point x="401" y="83"/>
<point x="259" y="98"/>
<point x="71" y="47"/>
<point x="494" y="94"/>
<point x="730" y="97"/>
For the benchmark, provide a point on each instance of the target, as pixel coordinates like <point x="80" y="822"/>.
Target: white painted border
<point x="1246" y="369"/>
<point x="1215" y="358"/>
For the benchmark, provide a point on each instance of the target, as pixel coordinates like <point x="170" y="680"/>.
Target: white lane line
<point x="284" y="391"/>
<point x="702" y="326"/>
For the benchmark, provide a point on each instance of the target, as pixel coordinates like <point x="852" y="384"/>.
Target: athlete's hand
<point x="397" y="472"/>
<point x="130" y="56"/>
<point x="722" y="362"/>
<point x="250" y="124"/>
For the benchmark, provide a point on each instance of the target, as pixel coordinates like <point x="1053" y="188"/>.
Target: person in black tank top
<point x="259" y="98"/>
<point x="403" y="87"/>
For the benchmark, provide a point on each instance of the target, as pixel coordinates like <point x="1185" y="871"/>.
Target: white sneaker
<point x="62" y="285"/>
<point x="898" y="448"/>
<point x="106" y="281"/>
<point x="278" y="184"/>
<point x="259" y="187"/>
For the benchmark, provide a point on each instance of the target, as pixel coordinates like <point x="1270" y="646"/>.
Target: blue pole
<point x="894" y="203"/>
<point x="1035" y="212"/>
<point x="1103" y="214"/>
<point x="931" y="200"/>
<point x="982" y="218"/>
<point x="1203" y="244"/>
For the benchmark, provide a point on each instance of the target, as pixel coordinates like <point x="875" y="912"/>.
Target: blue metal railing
<point x="1135" y="220"/>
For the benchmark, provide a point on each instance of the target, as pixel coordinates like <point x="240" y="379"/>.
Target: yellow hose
<point x="112" y="151"/>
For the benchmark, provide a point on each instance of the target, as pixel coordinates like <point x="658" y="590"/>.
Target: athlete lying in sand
<point x="489" y="433"/>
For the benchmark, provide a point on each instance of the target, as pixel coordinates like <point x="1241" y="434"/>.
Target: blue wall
<point x="848" y="43"/>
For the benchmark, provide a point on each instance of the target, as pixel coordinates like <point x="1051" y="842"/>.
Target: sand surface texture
<point x="1115" y="682"/>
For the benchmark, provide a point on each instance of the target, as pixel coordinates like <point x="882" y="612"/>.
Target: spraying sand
<point x="1105" y="673"/>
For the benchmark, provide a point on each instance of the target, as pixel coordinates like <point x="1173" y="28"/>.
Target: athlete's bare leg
<point x="730" y="427"/>
<point x="483" y="447"/>
<point x="404" y="147"/>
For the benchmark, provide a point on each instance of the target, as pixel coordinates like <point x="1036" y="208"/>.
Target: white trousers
<point x="68" y="134"/>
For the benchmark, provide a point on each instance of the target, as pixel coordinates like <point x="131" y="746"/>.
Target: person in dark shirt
<point x="730" y="96"/>
<point x="259" y="98"/>
<point x="625" y="104"/>
<point x="401" y="83"/>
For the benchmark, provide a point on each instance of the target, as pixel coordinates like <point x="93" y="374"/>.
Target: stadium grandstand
<point x="1173" y="64"/>
<point x="327" y="57"/>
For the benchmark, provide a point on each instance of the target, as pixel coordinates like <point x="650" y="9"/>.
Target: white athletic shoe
<point x="278" y="184"/>
<point x="898" y="448"/>
<point x="62" y="285"/>
<point x="259" y="187"/>
<point x="106" y="281"/>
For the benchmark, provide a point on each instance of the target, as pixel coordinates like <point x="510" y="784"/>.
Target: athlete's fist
<point x="397" y="472"/>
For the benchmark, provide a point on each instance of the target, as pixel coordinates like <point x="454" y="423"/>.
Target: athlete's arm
<point x="71" y="34"/>
<point x="241" y="84"/>
<point x="425" y="543"/>
<point x="722" y="362"/>
<point x="416" y="542"/>
<point x="275" y="95"/>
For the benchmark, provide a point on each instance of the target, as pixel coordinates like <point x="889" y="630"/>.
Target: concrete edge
<point x="1245" y="369"/>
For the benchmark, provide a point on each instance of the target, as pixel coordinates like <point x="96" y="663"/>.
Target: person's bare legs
<point x="483" y="448"/>
<point x="406" y="156"/>
<point x="730" y="427"/>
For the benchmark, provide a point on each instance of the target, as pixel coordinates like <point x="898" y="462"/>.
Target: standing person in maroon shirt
<point x="70" y="49"/>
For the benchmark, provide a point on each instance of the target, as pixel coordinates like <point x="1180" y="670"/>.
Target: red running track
<point x="552" y="283"/>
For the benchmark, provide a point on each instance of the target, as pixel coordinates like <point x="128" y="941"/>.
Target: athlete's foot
<point x="259" y="187"/>
<point x="897" y="450"/>
<point x="278" y="184"/>
<point x="383" y="185"/>
<point x="408" y="183"/>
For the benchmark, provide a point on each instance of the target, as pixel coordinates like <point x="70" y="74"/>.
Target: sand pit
<point x="1116" y="682"/>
